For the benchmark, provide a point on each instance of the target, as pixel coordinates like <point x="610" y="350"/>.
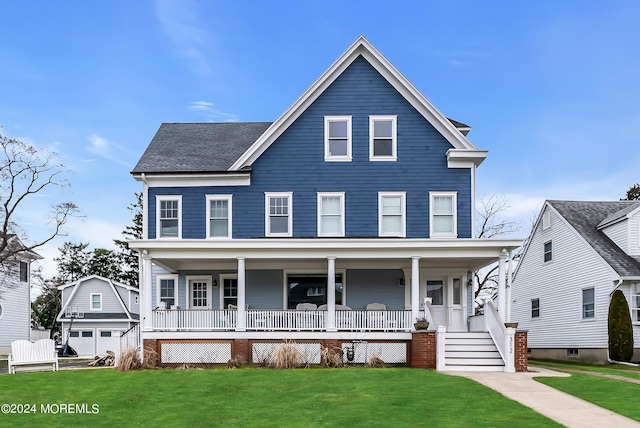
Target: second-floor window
<point x="279" y="218"/>
<point x="169" y="216"/>
<point x="535" y="308"/>
<point x="337" y="138"/>
<point x="219" y="215"/>
<point x="443" y="215"/>
<point x="96" y="301"/>
<point x="391" y="214"/>
<point x="331" y="214"/>
<point x="548" y="251"/>
<point x="24" y="272"/>
<point x="382" y="138"/>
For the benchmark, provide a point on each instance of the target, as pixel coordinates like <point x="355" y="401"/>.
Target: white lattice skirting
<point x="390" y="353"/>
<point x="264" y="353"/>
<point x="195" y="353"/>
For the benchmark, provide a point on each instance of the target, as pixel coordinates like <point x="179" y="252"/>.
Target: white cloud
<point x="206" y="109"/>
<point x="102" y="147"/>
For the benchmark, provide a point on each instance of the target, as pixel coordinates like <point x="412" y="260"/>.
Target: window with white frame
<point x="382" y="138"/>
<point x="535" y="308"/>
<point x="167" y="290"/>
<point x="24" y="272"/>
<point x="229" y="291"/>
<point x="548" y="251"/>
<point x="635" y="303"/>
<point x="391" y="214"/>
<point x="279" y="216"/>
<point x="331" y="214"/>
<point x="546" y="220"/>
<point x="337" y="138"/>
<point x="588" y="303"/>
<point x="95" y="302"/>
<point x="169" y="216"/>
<point x="219" y="214"/>
<point x="443" y="221"/>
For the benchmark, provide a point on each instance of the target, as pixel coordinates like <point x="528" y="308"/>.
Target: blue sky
<point x="549" y="88"/>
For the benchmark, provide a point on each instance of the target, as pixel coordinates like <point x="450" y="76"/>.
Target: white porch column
<point x="509" y="278"/>
<point x="146" y="303"/>
<point x="415" y="288"/>
<point x="502" y="292"/>
<point x="331" y="293"/>
<point x="241" y="325"/>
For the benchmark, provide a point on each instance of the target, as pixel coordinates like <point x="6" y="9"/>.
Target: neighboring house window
<point x="74" y="334"/>
<point x="535" y="308"/>
<point x="219" y="215"/>
<point x="279" y="216"/>
<point x="331" y="214"/>
<point x="588" y="303"/>
<point x="337" y="138"/>
<point x="169" y="216"/>
<point x="391" y="214"/>
<point x="443" y="215"/>
<point x="87" y="333"/>
<point x="548" y="251"/>
<point x="0" y="310"/>
<point x="382" y="138"/>
<point x="24" y="272"/>
<point x="635" y="303"/>
<point x="104" y="333"/>
<point x="95" y="301"/>
<point x="167" y="292"/>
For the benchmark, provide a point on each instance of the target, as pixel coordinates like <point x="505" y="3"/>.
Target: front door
<point x="456" y="309"/>
<point x="200" y="293"/>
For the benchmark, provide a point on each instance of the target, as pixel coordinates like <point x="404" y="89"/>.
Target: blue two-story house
<point x="340" y="223"/>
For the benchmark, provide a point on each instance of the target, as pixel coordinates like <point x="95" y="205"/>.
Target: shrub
<point x="129" y="360"/>
<point x="288" y="356"/>
<point x="620" y="328"/>
<point x="331" y="358"/>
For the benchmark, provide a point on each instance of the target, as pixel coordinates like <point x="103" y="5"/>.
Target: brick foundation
<point x="521" y="358"/>
<point x="241" y="349"/>
<point x="152" y="352"/>
<point x="423" y="350"/>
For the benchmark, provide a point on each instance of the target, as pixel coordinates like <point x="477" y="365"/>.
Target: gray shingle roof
<point x="585" y="216"/>
<point x="198" y="147"/>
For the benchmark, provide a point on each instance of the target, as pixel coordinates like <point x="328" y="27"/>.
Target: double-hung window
<point x="219" y="216"/>
<point x="24" y="272"/>
<point x="391" y="214"/>
<point x="95" y="300"/>
<point x="535" y="308"/>
<point x="331" y="214"/>
<point x="337" y="138"/>
<point x="548" y="251"/>
<point x="443" y="221"/>
<point x="382" y="138"/>
<point x="169" y="216"/>
<point x="279" y="216"/>
<point x="588" y="303"/>
<point x="167" y="290"/>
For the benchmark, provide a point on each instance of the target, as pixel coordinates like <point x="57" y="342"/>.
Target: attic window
<point x="546" y="221"/>
<point x="337" y="138"/>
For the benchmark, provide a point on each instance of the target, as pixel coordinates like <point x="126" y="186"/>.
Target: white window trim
<point x="227" y="198"/>
<point x="160" y="198"/>
<point x="91" y="308"/>
<point x="267" y="219"/>
<point x="635" y="291"/>
<point x="199" y="278"/>
<point x="582" y="317"/>
<point x="403" y="207"/>
<point x="546" y="220"/>
<point x="175" y="287"/>
<point x="221" y="279"/>
<point x="454" y="201"/>
<point x="342" y="216"/>
<point x="28" y="268"/>
<point x="327" y="154"/>
<point x="1" y="310"/>
<point x="394" y="138"/>
<point x="531" y="309"/>
<point x="544" y="252"/>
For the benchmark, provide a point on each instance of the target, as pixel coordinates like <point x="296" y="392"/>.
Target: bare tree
<point x="25" y="172"/>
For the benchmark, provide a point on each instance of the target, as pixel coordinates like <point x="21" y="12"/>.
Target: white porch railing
<point x="280" y="320"/>
<point x="503" y="337"/>
<point x="429" y="314"/>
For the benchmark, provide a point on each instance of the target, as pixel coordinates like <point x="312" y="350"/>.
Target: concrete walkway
<point x="563" y="408"/>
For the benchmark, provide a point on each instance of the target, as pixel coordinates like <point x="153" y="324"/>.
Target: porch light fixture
<point x="469" y="278"/>
<point x="215" y="283"/>
<point x="401" y="282"/>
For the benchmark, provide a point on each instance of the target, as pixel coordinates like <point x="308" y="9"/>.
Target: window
<point x="87" y="333"/>
<point x="311" y="288"/>
<point x="169" y="210"/>
<point x="443" y="215"/>
<point x="391" y="214"/>
<point x="0" y="310"/>
<point x="331" y="214"/>
<point x="95" y="301"/>
<point x="24" y="272"/>
<point x="279" y="218"/>
<point x="337" y="138"/>
<point x="382" y="138"/>
<point x="635" y="303"/>
<point x="572" y="352"/>
<point x="535" y="308"/>
<point x="588" y="303"/>
<point x="229" y="291"/>
<point x="219" y="216"/>
<point x="435" y="290"/>
<point x="74" y="334"/>
<point x="167" y="292"/>
<point x="548" y="251"/>
<point x="546" y="220"/>
<point x="105" y="333"/>
<point x="457" y="291"/>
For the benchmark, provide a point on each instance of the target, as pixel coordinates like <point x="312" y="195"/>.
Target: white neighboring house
<point x="15" y="295"/>
<point x="104" y="307"/>
<point x="578" y="254"/>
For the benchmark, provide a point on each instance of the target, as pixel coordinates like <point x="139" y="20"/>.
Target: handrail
<point x="495" y="327"/>
<point x="430" y="315"/>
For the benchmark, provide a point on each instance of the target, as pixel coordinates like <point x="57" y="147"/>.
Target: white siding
<point x="15" y="322"/>
<point x="634" y="235"/>
<point x="619" y="233"/>
<point x="558" y="284"/>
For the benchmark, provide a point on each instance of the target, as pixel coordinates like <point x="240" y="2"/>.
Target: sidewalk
<point x="563" y="408"/>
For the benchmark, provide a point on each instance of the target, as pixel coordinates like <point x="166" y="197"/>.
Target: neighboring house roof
<point x="586" y="217"/>
<point x="15" y="245"/>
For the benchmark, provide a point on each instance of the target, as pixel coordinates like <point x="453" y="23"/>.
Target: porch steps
<point x="471" y="352"/>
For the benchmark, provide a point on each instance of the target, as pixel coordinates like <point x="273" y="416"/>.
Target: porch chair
<point x="306" y="307"/>
<point x="376" y="319"/>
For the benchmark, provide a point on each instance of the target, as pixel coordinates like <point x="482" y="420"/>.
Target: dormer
<point x="623" y="228"/>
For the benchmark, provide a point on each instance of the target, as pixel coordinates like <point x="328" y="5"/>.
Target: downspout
<point x="609" y="360"/>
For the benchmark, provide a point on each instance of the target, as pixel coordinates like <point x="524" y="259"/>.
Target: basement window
<point x="572" y="352"/>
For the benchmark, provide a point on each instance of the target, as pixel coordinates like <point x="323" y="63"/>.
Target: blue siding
<point x="264" y="289"/>
<point x="295" y="163"/>
<point x="374" y="286"/>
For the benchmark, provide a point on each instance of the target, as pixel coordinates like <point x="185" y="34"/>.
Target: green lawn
<point x="263" y="397"/>
<point x="612" y="369"/>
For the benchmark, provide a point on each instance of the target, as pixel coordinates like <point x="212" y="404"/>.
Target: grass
<point x="613" y="394"/>
<point x="264" y="397"/>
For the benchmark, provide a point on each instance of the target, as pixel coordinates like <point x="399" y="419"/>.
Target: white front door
<point x="200" y="293"/>
<point x="456" y="308"/>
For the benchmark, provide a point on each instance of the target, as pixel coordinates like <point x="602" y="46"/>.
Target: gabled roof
<point x="15" y="246"/>
<point x="619" y="215"/>
<point x="586" y="216"/>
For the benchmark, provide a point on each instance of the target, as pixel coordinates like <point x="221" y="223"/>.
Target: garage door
<point x="83" y="342"/>
<point x="106" y="342"/>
